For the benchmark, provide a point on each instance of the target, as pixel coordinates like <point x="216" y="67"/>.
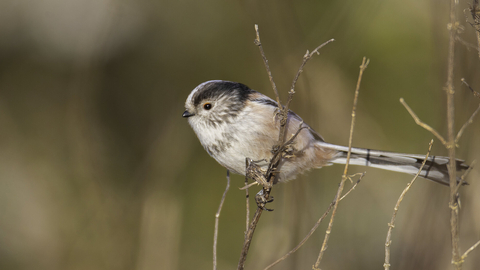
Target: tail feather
<point x="435" y="169"/>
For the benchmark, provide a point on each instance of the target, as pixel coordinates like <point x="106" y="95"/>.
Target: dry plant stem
<point x="453" y="204"/>
<point x="217" y="218"/>
<point x="314" y="226"/>
<point x="278" y="154"/>
<point x="306" y="237"/>
<point x="469" y="121"/>
<point x="354" y="185"/>
<point x="475" y="93"/>
<point x="247" y="206"/>
<point x="475" y="11"/>
<point x="267" y="67"/>
<point x="344" y="176"/>
<point x="248" y="238"/>
<point x="258" y="212"/>
<point x="466" y="44"/>
<point x="391" y="225"/>
<point x="273" y="163"/>
<point x="422" y="124"/>
<point x="464" y="256"/>
<point x="308" y="55"/>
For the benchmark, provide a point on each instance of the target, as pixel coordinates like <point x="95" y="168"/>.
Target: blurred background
<point x="98" y="170"/>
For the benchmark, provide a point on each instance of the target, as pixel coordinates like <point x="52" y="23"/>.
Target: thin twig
<point x="314" y="228"/>
<point x="475" y="93"/>
<point x="391" y="225"/>
<point x="248" y="238"/>
<point x="308" y="55"/>
<point x="247" y="206"/>
<point x="466" y="43"/>
<point x="464" y="256"/>
<point x="354" y="185"/>
<point x="422" y="124"/>
<point x="469" y="121"/>
<point x="475" y="12"/>
<point x="344" y="176"/>
<point x="450" y="144"/>
<point x="266" y="190"/>
<point x="267" y="67"/>
<point x="272" y="170"/>
<point x="217" y="218"/>
<point x="306" y="237"/>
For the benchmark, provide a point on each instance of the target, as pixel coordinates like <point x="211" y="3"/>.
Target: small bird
<point x="234" y="122"/>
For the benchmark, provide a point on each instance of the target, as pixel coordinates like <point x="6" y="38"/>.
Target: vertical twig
<point x="453" y="204"/>
<point x="217" y="218"/>
<point x="391" y="225"/>
<point x="247" y="205"/>
<point x="344" y="176"/>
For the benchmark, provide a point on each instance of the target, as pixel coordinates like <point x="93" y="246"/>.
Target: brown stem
<point x="453" y="204"/>
<point x="391" y="225"/>
<point x="344" y="176"/>
<point x="217" y="218"/>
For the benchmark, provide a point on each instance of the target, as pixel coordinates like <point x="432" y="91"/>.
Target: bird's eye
<point x="207" y="106"/>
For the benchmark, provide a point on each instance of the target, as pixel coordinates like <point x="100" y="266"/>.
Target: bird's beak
<point x="187" y="114"/>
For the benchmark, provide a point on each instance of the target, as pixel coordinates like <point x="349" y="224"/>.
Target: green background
<point x="98" y="170"/>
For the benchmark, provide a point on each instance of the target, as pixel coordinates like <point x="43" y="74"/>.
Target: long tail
<point x="435" y="168"/>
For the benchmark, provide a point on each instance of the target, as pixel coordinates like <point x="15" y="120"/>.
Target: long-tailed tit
<point x="234" y="122"/>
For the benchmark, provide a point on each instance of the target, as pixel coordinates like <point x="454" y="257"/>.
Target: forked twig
<point x="354" y="185"/>
<point x="391" y="225"/>
<point x="344" y="176"/>
<point x="217" y="218"/>
<point x="272" y="171"/>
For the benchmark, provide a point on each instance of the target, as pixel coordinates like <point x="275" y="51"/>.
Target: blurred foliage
<point x="98" y="170"/>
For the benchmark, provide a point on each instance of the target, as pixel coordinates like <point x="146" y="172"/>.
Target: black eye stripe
<point x="214" y="90"/>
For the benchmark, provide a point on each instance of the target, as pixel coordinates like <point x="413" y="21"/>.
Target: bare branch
<point x="272" y="170"/>
<point x="354" y="185"/>
<point x="308" y="55"/>
<point x="247" y="204"/>
<point x="466" y="44"/>
<point x="305" y="239"/>
<point x="422" y="124"/>
<point x="450" y="144"/>
<point x="475" y="93"/>
<point x="217" y="218"/>
<point x="464" y="256"/>
<point x="265" y="62"/>
<point x="475" y="12"/>
<point x="469" y="121"/>
<point x="344" y="176"/>
<point x="391" y="225"/>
